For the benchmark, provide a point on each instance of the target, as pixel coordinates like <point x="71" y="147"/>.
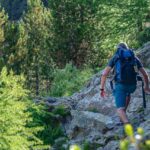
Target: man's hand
<point x="102" y="93"/>
<point x="103" y="79"/>
<point x="147" y="90"/>
<point x="146" y="80"/>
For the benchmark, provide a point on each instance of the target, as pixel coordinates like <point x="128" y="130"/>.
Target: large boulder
<point x="144" y="54"/>
<point x="83" y="121"/>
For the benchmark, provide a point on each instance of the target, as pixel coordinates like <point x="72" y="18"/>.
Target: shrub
<point x="69" y="80"/>
<point x="144" y="36"/>
<point x="135" y="141"/>
<point x="14" y="115"/>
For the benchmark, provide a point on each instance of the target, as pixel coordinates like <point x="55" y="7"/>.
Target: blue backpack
<point x="125" y="65"/>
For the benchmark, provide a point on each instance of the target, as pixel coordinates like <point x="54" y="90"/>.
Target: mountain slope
<point x="94" y="120"/>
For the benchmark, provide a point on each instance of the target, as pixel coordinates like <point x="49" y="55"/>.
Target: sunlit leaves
<point x="3" y="19"/>
<point x="13" y="114"/>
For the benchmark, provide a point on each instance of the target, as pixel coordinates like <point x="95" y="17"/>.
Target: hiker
<point x="126" y="67"/>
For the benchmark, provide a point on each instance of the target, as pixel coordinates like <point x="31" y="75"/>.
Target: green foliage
<point x="38" y="61"/>
<point x="134" y="141"/>
<point x="93" y="110"/>
<point x="27" y="46"/>
<point x="3" y="20"/>
<point x="74" y="31"/>
<point x="25" y="124"/>
<point x="144" y="36"/>
<point x="48" y="120"/>
<point x="61" y="110"/>
<point x="15" y="49"/>
<point x="14" y="116"/>
<point x="69" y="80"/>
<point x="83" y="32"/>
<point x="74" y="147"/>
<point x="86" y="145"/>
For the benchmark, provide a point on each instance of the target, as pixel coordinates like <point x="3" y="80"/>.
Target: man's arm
<point x="105" y="73"/>
<point x="146" y="79"/>
<point x="104" y="76"/>
<point x="103" y="80"/>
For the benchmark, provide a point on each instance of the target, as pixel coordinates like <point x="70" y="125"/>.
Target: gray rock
<point x="84" y="122"/>
<point x="146" y="126"/>
<point x="113" y="145"/>
<point x="94" y="119"/>
<point x="144" y="54"/>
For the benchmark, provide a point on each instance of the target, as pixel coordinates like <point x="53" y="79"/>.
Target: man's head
<point x="122" y="45"/>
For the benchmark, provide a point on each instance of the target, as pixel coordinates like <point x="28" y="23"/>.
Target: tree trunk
<point x="37" y="80"/>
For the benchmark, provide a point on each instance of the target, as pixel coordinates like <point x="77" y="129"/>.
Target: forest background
<point x="52" y="48"/>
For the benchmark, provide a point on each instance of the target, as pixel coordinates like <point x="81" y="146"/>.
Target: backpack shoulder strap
<point x="132" y="53"/>
<point x="116" y="58"/>
<point x="133" y="56"/>
<point x="117" y="54"/>
<point x="120" y="52"/>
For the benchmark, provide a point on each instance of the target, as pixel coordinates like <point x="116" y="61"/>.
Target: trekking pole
<point x="143" y="93"/>
<point x="139" y="78"/>
<point x="111" y="85"/>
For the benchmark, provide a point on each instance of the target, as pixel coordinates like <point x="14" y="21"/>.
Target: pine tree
<point x="73" y="25"/>
<point x="3" y="20"/>
<point x="14" y="115"/>
<point x="38" y="60"/>
<point x="15" y="48"/>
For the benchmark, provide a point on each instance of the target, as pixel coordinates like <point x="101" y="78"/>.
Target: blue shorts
<point x="120" y="93"/>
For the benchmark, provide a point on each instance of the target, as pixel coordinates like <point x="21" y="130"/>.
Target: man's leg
<point x="127" y="101"/>
<point x="121" y="101"/>
<point x="122" y="115"/>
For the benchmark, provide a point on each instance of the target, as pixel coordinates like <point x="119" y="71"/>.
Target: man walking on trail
<point x="126" y="66"/>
